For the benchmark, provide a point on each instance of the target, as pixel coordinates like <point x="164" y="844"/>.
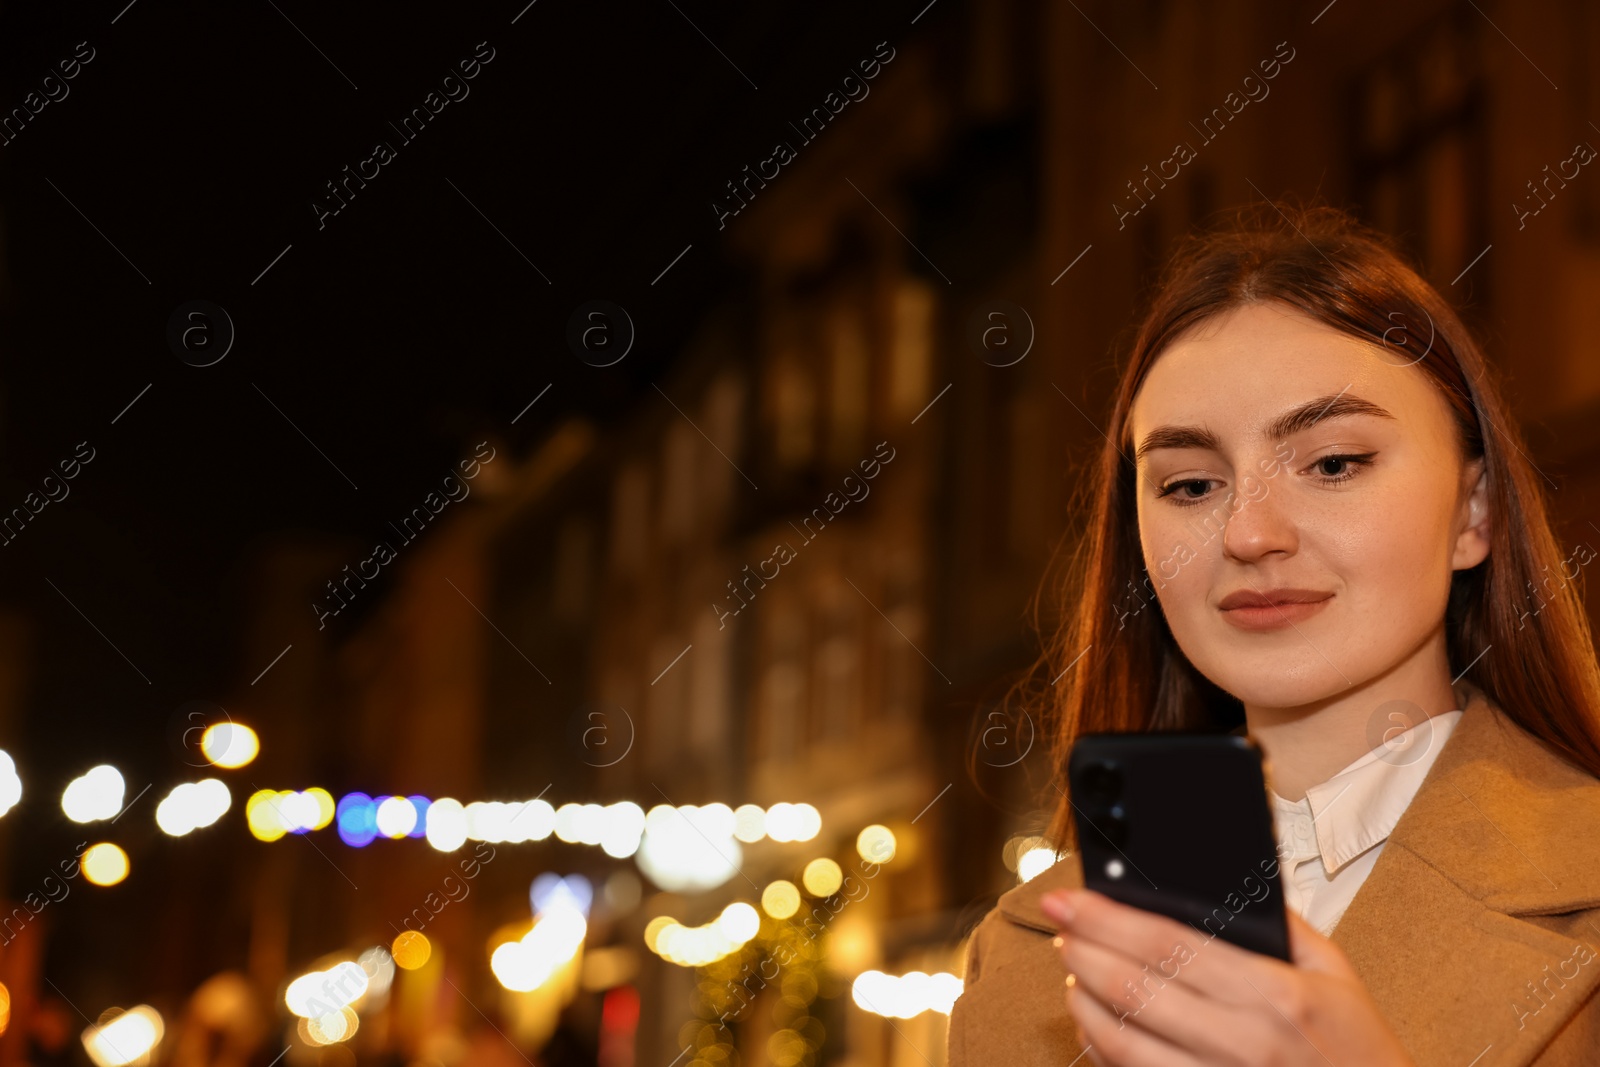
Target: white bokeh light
<point x="94" y="795"/>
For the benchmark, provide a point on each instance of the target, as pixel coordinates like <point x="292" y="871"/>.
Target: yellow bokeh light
<point x="653" y="929"/>
<point x="261" y="813"/>
<point x="697" y="946"/>
<point x="554" y="944"/>
<point x="780" y="899"/>
<point x="330" y="1028"/>
<point x="124" y="1038"/>
<point x="325" y="806"/>
<point x="822" y="877"/>
<point x="411" y="950"/>
<point x="319" y="992"/>
<point x="876" y="844"/>
<point x="105" y="864"/>
<point x="229" y="744"/>
<point x="5" y="1008"/>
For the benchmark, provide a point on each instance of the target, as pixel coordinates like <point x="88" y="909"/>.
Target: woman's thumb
<point x="1310" y="950"/>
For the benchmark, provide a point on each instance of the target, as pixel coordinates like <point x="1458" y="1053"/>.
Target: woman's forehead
<point x="1251" y="365"/>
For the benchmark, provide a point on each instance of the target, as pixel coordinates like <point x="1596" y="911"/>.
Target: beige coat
<point x="1477" y="931"/>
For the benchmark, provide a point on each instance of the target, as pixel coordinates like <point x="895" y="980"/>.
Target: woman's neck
<point x="1308" y="744"/>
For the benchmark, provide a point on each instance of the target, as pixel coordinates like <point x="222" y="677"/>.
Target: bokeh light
<point x="318" y="993"/>
<point x="94" y="795"/>
<point x="793" y="822"/>
<point x="229" y="744"/>
<point x="446" y="824"/>
<point x="395" y="817"/>
<point x="192" y="805"/>
<point x="525" y="964"/>
<point x="261" y="815"/>
<point x="420" y="805"/>
<point x="749" y="823"/>
<point x="330" y="1028"/>
<point x="550" y="891"/>
<point x="739" y="922"/>
<point x="698" y="946"/>
<point x="10" y="784"/>
<point x="1034" y="861"/>
<point x="379" y="965"/>
<point x="689" y="849"/>
<point x="124" y="1038"/>
<point x="497" y="821"/>
<point x="822" y="877"/>
<point x="905" y="996"/>
<point x="271" y="813"/>
<point x="356" y="816"/>
<point x="876" y="844"/>
<point x="104" y="864"/>
<point x="780" y="899"/>
<point x="411" y="950"/>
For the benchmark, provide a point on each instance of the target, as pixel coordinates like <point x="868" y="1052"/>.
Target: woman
<point x="1313" y="520"/>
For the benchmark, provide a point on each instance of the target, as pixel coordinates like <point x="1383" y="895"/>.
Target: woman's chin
<point x="1273" y="687"/>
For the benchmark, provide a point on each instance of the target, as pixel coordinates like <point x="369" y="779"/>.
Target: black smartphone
<point x="1180" y="824"/>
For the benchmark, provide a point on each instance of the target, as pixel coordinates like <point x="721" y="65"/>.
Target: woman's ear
<point x="1472" y="543"/>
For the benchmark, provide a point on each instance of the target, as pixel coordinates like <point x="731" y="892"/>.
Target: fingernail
<point x="1058" y="906"/>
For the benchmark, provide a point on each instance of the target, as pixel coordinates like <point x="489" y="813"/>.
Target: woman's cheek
<point x="1181" y="584"/>
<point x="1405" y="566"/>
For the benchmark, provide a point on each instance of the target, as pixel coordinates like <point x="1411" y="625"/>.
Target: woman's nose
<point x="1258" y="523"/>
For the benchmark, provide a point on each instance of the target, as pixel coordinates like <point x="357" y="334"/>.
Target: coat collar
<point x="1476" y="901"/>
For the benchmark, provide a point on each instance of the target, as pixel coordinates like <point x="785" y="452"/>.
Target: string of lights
<point x="685" y="848"/>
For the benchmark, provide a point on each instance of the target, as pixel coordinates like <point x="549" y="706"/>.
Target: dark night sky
<point x="195" y="141"/>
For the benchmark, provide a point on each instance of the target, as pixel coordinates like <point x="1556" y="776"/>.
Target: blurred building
<point x="800" y="570"/>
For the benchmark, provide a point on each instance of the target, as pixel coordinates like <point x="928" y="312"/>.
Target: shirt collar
<point x="1359" y="806"/>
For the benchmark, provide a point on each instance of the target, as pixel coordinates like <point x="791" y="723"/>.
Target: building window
<point x="709" y="685"/>
<point x="911" y="348"/>
<point x="837" y="703"/>
<point x="663" y="738"/>
<point x="1420" y="161"/>
<point x="782" y="693"/>
<point x="849" y="384"/>
<point x="903" y="664"/>
<point x="792" y="408"/>
<point x="678" y="460"/>
<point x="722" y="412"/>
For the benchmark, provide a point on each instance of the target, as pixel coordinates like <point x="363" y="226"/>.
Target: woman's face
<point x="1280" y="459"/>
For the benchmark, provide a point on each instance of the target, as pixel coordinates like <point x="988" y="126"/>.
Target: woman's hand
<point x="1148" y="991"/>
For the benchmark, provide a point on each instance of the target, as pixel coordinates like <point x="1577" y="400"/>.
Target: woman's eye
<point x="1184" y="499"/>
<point x="1339" y="468"/>
<point x="1329" y="470"/>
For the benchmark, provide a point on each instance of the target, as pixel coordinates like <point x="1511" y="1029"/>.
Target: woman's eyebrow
<point x="1293" y="421"/>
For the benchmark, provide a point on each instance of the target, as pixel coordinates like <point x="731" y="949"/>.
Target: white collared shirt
<point x="1329" y="840"/>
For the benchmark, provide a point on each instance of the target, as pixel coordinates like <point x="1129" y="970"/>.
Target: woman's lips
<point x="1273" y="616"/>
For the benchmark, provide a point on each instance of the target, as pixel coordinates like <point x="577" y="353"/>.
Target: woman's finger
<point x="1315" y="952"/>
<point x="1212" y="966"/>
<point x="1139" y="995"/>
<point x="1110" y="1043"/>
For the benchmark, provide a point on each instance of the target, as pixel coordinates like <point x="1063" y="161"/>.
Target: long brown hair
<point x="1114" y="661"/>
